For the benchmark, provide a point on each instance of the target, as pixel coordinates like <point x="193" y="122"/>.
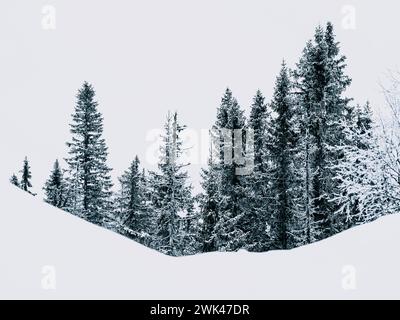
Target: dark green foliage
<point x="284" y="150"/>
<point x="14" y="180"/>
<point x="258" y="188"/>
<point x="55" y="187"/>
<point x="132" y="203"/>
<point x="89" y="182"/>
<point x="25" y="183"/>
<point x="230" y="230"/>
<point x="209" y="206"/>
<point x="320" y="83"/>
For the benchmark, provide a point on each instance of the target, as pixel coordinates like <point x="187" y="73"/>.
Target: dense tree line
<point x="316" y="168"/>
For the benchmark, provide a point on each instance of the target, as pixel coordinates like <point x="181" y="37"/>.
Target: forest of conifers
<point x="320" y="164"/>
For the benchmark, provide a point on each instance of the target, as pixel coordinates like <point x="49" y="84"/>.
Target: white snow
<point x="90" y="262"/>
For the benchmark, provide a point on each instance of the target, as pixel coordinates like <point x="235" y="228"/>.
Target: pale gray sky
<point x="146" y="57"/>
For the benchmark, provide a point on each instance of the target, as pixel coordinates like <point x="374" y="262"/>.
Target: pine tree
<point x="259" y="182"/>
<point x="171" y="197"/>
<point x="132" y="203"/>
<point x="89" y="180"/>
<point x="14" y="180"/>
<point x="321" y="82"/>
<point x="191" y="233"/>
<point x="25" y="183"/>
<point x="231" y="228"/>
<point x="209" y="205"/>
<point x="364" y="125"/>
<point x="259" y="121"/>
<point x="55" y="187"/>
<point x="284" y="151"/>
<point x="305" y="114"/>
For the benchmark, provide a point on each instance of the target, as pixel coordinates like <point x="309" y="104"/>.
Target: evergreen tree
<point x="132" y="202"/>
<point x="55" y="187"/>
<point x="191" y="231"/>
<point x="305" y="114"/>
<point x="89" y="180"/>
<point x="171" y="193"/>
<point x="25" y="183"/>
<point x="209" y="205"/>
<point x="149" y="217"/>
<point x="259" y="182"/>
<point x="259" y="121"/>
<point x="321" y="82"/>
<point x="232" y="227"/>
<point x="14" y="180"/>
<point x="364" y="126"/>
<point x="284" y="151"/>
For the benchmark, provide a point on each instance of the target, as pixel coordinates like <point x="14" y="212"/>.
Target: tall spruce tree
<point x="171" y="196"/>
<point x="321" y="82"/>
<point x="284" y="152"/>
<point x="89" y="176"/>
<point x="26" y="177"/>
<point x="259" y="181"/>
<point x="55" y="187"/>
<point x="305" y="113"/>
<point x="232" y="226"/>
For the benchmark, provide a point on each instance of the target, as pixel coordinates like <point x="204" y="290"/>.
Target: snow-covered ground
<point x="42" y="248"/>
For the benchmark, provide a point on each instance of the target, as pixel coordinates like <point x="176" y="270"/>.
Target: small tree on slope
<point x="14" y="180"/>
<point x="55" y="187"/>
<point x="25" y="183"/>
<point x="132" y="203"/>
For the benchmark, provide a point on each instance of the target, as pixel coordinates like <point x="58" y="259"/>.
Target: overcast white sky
<point x="146" y="57"/>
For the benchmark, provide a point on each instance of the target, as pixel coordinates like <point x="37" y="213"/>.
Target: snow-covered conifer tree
<point x="285" y="174"/>
<point x="259" y="209"/>
<point x="25" y="183"/>
<point x="14" y="180"/>
<point x="171" y="198"/>
<point x="132" y="203"/>
<point x="232" y="228"/>
<point x="209" y="205"/>
<point x="320" y="85"/>
<point x="89" y="180"/>
<point x="54" y="188"/>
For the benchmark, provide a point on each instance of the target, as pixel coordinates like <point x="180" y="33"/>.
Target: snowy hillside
<point x="90" y="262"/>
